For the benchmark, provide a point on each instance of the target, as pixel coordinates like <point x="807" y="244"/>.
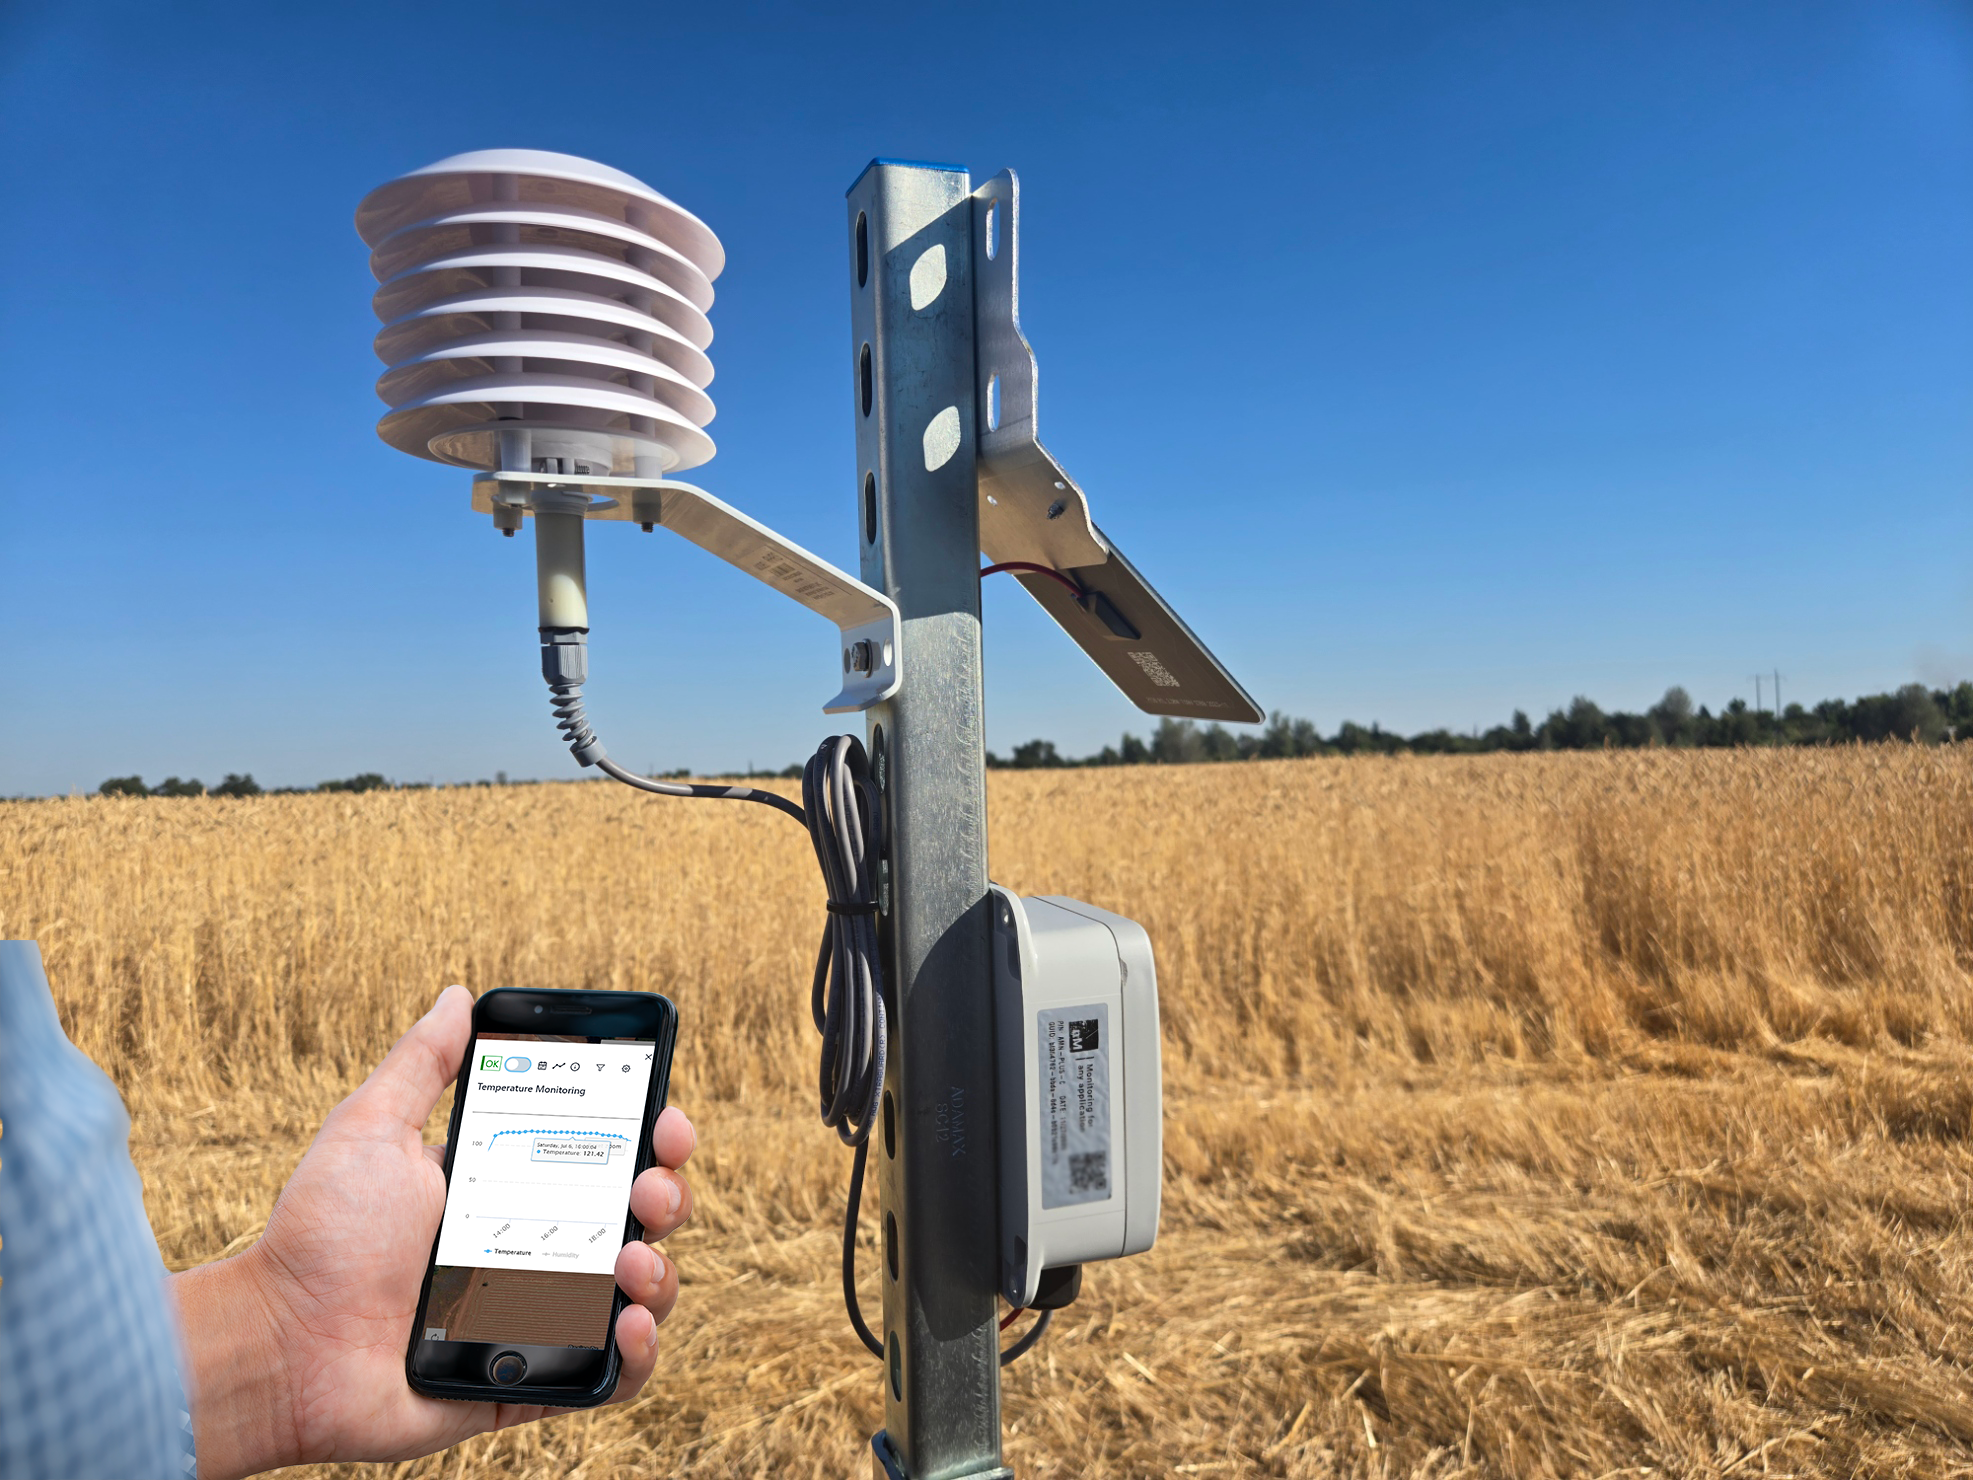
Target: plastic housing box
<point x="1081" y="1087"/>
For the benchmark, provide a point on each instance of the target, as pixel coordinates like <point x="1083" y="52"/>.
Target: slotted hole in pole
<point x="862" y="248"/>
<point x="890" y="1243"/>
<point x="890" y="1128"/>
<point x="863" y="375"/>
<point x="869" y="508"/>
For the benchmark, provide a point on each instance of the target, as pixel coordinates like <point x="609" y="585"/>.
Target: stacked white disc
<point x="541" y="313"/>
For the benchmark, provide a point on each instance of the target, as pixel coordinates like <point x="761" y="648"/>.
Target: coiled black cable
<point x="842" y="810"/>
<point x="845" y="823"/>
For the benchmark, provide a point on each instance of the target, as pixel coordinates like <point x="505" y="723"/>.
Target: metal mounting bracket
<point x="1031" y="510"/>
<point x="873" y="658"/>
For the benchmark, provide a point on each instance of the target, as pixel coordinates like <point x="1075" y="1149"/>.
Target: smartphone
<point x="551" y="1123"/>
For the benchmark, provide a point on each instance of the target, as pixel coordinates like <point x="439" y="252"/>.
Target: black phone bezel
<point x="575" y="1013"/>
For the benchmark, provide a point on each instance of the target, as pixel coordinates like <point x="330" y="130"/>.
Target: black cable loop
<point x="842" y="811"/>
<point x="846" y="997"/>
<point x="1026" y="1343"/>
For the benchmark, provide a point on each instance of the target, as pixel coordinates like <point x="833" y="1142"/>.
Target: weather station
<point x="545" y="325"/>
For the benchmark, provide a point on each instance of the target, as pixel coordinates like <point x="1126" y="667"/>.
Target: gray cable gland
<point x="565" y="666"/>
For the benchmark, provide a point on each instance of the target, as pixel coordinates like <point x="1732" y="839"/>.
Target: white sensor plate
<point x="862" y="615"/>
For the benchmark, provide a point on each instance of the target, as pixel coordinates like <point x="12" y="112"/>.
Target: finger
<point x="436" y="1154"/>
<point x="661" y="1200"/>
<point x="649" y="1278"/>
<point x="407" y="1084"/>
<point x="637" y="1339"/>
<point x="673" y="1139"/>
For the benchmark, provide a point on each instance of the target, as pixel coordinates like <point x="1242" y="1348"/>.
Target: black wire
<point x="696" y="789"/>
<point x="842" y="812"/>
<point x="1022" y="1347"/>
<point x="850" y="1301"/>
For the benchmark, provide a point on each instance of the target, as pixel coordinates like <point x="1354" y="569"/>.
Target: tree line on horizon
<point x="1913" y="713"/>
<point x="245" y="786"/>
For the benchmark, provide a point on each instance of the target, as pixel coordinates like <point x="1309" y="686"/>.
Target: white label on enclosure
<point x="1074" y="1045"/>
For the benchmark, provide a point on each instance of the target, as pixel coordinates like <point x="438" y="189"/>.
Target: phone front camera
<point x="537" y="1007"/>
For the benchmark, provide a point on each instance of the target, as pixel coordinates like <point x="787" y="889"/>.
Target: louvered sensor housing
<point x="541" y="313"/>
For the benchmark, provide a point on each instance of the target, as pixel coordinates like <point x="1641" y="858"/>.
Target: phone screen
<point x="545" y="1154"/>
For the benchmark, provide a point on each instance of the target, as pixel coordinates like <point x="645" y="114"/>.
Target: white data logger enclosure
<point x="1081" y="1087"/>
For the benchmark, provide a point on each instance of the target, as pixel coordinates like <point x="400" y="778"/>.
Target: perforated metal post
<point x="912" y="367"/>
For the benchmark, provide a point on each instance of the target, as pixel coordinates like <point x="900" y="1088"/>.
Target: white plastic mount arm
<point x="867" y="619"/>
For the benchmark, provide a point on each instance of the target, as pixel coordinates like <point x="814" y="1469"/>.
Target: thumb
<point x="407" y="1084"/>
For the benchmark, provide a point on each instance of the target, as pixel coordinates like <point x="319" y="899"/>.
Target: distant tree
<point x="1956" y="704"/>
<point x="1216" y="743"/>
<point x="1354" y="739"/>
<point x="1287" y="739"/>
<point x="1582" y="726"/>
<point x="1177" y="743"/>
<point x="1671" y="717"/>
<point x="1036" y="755"/>
<point x="124" y="786"/>
<point x="1909" y="714"/>
<point x="237" y="786"/>
<point x="366" y="781"/>
<point x="171" y="786"/>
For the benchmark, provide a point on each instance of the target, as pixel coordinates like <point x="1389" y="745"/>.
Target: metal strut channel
<point x="1030" y="509"/>
<point x="872" y="653"/>
<point x="911" y="377"/>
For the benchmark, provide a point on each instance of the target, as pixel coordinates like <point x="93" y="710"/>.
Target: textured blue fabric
<point x="89" y="1381"/>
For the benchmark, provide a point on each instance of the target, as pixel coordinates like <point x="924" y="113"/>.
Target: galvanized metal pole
<point x="912" y="367"/>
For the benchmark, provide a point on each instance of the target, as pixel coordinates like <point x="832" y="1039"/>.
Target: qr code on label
<point x="1082" y="1035"/>
<point x="1089" y="1171"/>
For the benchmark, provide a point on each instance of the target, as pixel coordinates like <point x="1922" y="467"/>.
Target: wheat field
<point x="1526" y="1115"/>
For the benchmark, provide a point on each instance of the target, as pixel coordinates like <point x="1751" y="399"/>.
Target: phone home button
<point x="507" y="1368"/>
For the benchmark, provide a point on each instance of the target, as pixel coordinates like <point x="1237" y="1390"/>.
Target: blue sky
<point x="1434" y="360"/>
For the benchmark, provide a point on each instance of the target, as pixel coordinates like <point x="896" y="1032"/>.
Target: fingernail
<point x="651" y="1339"/>
<point x="657" y="1270"/>
<point x="673" y="1196"/>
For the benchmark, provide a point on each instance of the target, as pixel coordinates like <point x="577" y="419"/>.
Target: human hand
<point x="295" y="1348"/>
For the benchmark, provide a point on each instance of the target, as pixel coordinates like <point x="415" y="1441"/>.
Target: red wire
<point x="1040" y="570"/>
<point x="1008" y="1319"/>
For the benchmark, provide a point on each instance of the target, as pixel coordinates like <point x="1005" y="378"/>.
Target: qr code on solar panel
<point x="1082" y="1035"/>
<point x="1089" y="1171"/>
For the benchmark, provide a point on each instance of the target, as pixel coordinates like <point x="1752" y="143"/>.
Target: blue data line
<point x="544" y="1131"/>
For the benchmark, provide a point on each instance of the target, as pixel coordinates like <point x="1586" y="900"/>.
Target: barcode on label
<point x="1089" y="1171"/>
